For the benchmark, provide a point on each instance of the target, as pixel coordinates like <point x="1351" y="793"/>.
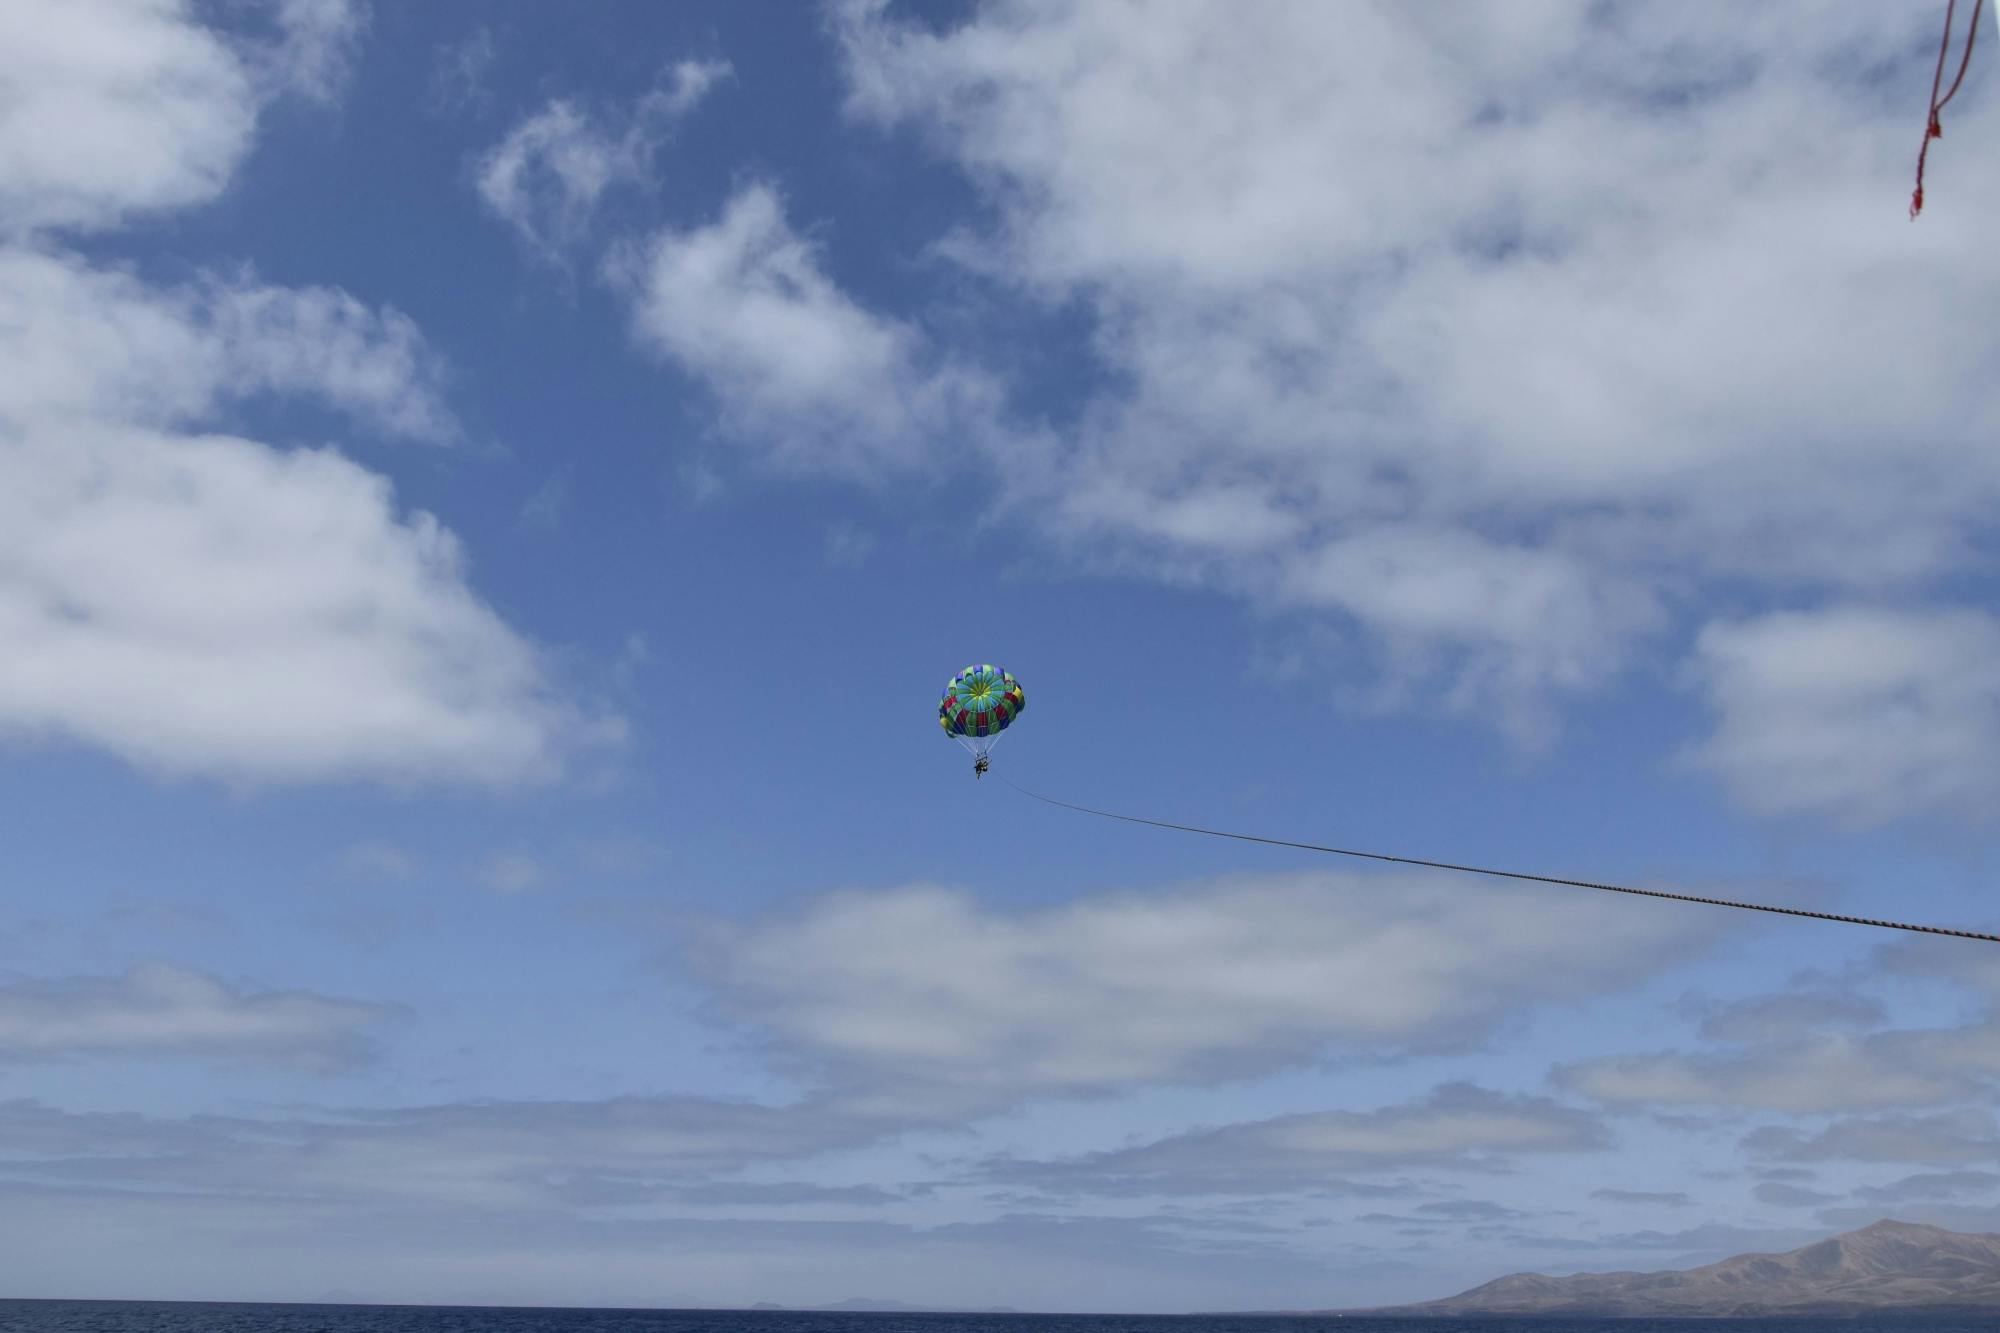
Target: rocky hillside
<point x="1887" y="1266"/>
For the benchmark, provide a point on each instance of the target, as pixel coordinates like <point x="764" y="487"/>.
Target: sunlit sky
<point x="490" y="494"/>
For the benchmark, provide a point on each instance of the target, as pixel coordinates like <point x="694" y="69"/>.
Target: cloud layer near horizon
<point x="161" y="1010"/>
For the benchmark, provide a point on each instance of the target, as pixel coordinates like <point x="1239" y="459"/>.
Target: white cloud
<point x="1862" y="714"/>
<point x="207" y="605"/>
<point x="548" y="1157"/>
<point x="1799" y="1051"/>
<point x="372" y="364"/>
<point x="546" y="177"/>
<point x="122" y="107"/>
<point x="1967" y="1136"/>
<point x="923" y="998"/>
<point x="745" y="306"/>
<point x="198" y="603"/>
<point x="114" y="107"/>
<point x="1457" y="1125"/>
<point x="318" y="43"/>
<point x="1829" y="1072"/>
<point x="96" y="345"/>
<point x="152" y="1244"/>
<point x="692" y="80"/>
<point x="1512" y="621"/>
<point x="1564" y="314"/>
<point x="162" y="1010"/>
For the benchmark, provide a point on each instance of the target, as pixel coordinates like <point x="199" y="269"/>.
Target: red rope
<point x="1933" y="128"/>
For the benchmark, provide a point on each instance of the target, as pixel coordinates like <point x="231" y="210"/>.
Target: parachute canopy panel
<point x="979" y="703"/>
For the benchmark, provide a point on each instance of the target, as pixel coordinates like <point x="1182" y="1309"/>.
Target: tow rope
<point x="1511" y="874"/>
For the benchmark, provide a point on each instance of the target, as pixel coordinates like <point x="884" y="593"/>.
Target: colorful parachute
<point x="979" y="704"/>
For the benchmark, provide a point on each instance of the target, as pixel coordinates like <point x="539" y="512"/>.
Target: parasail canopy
<point x="980" y="703"/>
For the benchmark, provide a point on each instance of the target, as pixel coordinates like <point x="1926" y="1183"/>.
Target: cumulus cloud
<point x="115" y="107"/>
<point x="162" y="1010"/>
<point x="123" y="107"/>
<point x="1814" y="1049"/>
<point x="97" y="346"/>
<point x="1817" y="1049"/>
<point x="1863" y="714"/>
<point x="1512" y="620"/>
<point x="1966" y="1136"/>
<point x="745" y="306"/>
<point x="207" y="605"/>
<point x="546" y="177"/>
<point x="1616" y="307"/>
<point x="1459" y="1125"/>
<point x="194" y="602"/>
<point x="923" y="997"/>
<point x="1801" y="1066"/>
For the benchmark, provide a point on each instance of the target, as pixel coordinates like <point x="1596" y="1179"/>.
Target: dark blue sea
<point x="193" y="1317"/>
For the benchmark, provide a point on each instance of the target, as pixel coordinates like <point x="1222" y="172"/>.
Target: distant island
<point x="863" y="1304"/>
<point x="1890" y="1267"/>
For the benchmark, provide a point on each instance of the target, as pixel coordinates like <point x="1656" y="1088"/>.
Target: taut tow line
<point x="1511" y="874"/>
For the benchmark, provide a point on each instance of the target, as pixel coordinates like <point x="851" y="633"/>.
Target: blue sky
<point x="491" y="499"/>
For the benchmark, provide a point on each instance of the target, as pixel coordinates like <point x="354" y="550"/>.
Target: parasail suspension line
<point x="1933" y="127"/>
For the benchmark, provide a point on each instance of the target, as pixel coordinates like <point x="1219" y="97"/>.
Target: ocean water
<point x="195" y="1317"/>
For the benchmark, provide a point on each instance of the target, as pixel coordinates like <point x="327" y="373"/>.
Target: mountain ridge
<point x="1886" y="1266"/>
